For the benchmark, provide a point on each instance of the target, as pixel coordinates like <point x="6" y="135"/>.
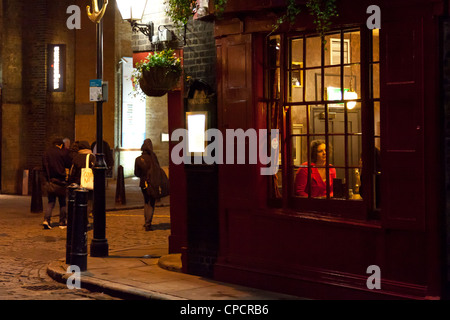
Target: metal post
<point x="36" y="192"/>
<point x="99" y="244"/>
<point x="70" y="214"/>
<point x="78" y="255"/>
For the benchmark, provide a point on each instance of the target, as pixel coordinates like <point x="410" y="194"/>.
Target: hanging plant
<point x="179" y="11"/>
<point x="321" y="10"/>
<point x="158" y="73"/>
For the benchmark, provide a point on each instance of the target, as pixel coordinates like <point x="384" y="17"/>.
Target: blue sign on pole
<point x="95" y="90"/>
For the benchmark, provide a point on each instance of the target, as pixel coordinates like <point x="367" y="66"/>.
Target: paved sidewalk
<point x="139" y="271"/>
<point x="147" y="272"/>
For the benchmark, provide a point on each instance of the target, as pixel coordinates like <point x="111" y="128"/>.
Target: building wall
<point x="13" y="115"/>
<point x="299" y="250"/>
<point x="31" y="116"/>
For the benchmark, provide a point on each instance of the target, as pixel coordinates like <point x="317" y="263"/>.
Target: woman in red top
<point x="318" y="173"/>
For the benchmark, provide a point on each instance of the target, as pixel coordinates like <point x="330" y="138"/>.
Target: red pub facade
<point x="374" y="99"/>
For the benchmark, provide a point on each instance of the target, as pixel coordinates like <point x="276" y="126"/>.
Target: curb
<point x="57" y="271"/>
<point x="171" y="262"/>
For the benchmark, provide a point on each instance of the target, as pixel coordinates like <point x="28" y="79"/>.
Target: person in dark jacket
<point x="142" y="165"/>
<point x="55" y="161"/>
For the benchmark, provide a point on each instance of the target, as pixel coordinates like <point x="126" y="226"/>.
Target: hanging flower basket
<point x="157" y="81"/>
<point x="158" y="74"/>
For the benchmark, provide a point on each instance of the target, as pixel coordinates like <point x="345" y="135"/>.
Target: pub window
<point x="330" y="157"/>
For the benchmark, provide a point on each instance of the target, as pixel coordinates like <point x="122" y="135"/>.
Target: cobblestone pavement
<point x="26" y="249"/>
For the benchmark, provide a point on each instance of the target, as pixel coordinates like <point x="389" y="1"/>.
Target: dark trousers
<point x="51" y="204"/>
<point x="149" y="207"/>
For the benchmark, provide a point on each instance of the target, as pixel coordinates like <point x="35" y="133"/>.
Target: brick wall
<point x="12" y="109"/>
<point x="200" y="52"/>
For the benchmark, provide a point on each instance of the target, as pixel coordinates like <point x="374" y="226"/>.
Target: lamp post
<point x="133" y="11"/>
<point x="99" y="243"/>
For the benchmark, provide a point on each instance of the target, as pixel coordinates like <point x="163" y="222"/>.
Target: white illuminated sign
<point x="56" y="74"/>
<point x="56" y="67"/>
<point x="196" y="125"/>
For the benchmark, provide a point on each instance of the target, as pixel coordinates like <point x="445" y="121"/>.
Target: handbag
<point x="87" y="176"/>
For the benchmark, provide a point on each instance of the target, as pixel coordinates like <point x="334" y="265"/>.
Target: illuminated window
<point x="327" y="146"/>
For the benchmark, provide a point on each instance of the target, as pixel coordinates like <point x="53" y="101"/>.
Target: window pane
<point x="313" y="85"/>
<point x="354" y="149"/>
<point x="376" y="113"/>
<point x="313" y="49"/>
<point x="296" y="85"/>
<point x="298" y="119"/>
<point x="354" y="117"/>
<point x="354" y="184"/>
<point x="352" y="82"/>
<point x="333" y="49"/>
<point x="336" y="153"/>
<point x="338" y="184"/>
<point x="296" y="52"/>
<point x="317" y="120"/>
<point x="299" y="149"/>
<point x="376" y="80"/>
<point x="375" y="45"/>
<point x="332" y="83"/>
<point x="352" y="41"/>
<point x="274" y="52"/>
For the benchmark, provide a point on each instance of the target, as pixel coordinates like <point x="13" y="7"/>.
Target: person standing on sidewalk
<point x="147" y="168"/>
<point x="55" y="161"/>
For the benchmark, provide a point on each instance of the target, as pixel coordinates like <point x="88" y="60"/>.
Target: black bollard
<point x="120" y="188"/>
<point x="70" y="213"/>
<point x="36" y="192"/>
<point x="78" y="255"/>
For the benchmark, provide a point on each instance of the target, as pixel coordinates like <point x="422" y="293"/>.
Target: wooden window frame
<point x="355" y="209"/>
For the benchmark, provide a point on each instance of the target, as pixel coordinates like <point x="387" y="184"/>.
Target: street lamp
<point x="133" y="11"/>
<point x="99" y="244"/>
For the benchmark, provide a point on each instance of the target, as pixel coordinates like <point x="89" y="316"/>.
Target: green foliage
<point x="219" y="7"/>
<point x="165" y="59"/>
<point x="321" y="10"/>
<point x="180" y="10"/>
<point x="292" y="11"/>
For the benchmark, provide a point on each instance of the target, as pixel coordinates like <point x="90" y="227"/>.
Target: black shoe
<point x="148" y="228"/>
